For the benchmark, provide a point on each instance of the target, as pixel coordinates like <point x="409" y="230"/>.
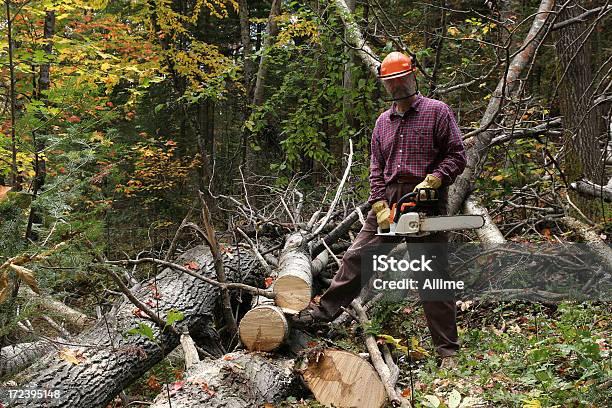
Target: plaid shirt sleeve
<point x="377" y="168"/>
<point x="452" y="150"/>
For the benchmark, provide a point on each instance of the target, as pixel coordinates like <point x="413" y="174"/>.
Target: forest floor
<point x="514" y="354"/>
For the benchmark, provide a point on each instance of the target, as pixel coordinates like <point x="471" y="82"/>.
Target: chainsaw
<point x="413" y="216"/>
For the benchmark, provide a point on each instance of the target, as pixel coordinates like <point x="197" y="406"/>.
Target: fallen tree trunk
<point x="107" y="361"/>
<point x="478" y="149"/>
<point x="17" y="357"/>
<point x="238" y="380"/>
<point x="488" y="234"/>
<point x="593" y="190"/>
<point x="593" y="241"/>
<point x="73" y="318"/>
<point x="293" y="287"/>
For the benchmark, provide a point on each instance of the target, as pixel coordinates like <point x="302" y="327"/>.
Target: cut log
<point x="238" y="380"/>
<point x="263" y="328"/>
<point x="344" y="379"/>
<point x="110" y="360"/>
<point x="293" y="287"/>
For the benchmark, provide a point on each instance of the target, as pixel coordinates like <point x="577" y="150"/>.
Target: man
<point x="415" y="144"/>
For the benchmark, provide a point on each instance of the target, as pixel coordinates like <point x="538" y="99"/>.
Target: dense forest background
<point x="114" y="114"/>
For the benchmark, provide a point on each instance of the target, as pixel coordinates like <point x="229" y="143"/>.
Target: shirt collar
<point x="415" y="106"/>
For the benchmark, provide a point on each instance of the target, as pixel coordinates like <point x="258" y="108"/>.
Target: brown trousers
<point x="346" y="285"/>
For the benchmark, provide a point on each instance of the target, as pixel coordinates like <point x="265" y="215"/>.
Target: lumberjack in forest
<point x="415" y="144"/>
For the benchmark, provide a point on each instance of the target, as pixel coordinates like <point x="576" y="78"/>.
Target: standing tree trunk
<point x="348" y="84"/>
<point x="582" y="125"/>
<point x="262" y="72"/>
<point x="12" y="97"/>
<point x="44" y="82"/>
<point x="245" y="36"/>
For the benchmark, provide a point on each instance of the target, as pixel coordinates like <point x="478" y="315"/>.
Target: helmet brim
<point x="397" y="75"/>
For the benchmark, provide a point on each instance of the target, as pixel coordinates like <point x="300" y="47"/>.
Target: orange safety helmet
<point x="395" y="65"/>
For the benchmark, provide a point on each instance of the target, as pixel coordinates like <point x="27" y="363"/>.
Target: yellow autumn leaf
<point x="416" y="350"/>
<point x="454" y="31"/>
<point x="27" y="276"/>
<point x="499" y="177"/>
<point x="105" y="67"/>
<point x="534" y="403"/>
<point x="395" y="342"/>
<point x="72" y="356"/>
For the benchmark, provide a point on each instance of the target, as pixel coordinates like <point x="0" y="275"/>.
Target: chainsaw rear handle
<point x="415" y="199"/>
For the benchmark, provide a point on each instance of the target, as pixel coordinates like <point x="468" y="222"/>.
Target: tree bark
<point x="581" y="122"/>
<point x="238" y="380"/>
<point x="112" y="360"/>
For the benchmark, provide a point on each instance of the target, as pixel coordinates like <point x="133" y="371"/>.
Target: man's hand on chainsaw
<point x="382" y="211"/>
<point x="430" y="181"/>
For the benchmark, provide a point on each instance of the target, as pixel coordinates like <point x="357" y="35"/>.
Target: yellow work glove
<point x="382" y="211"/>
<point x="430" y="181"/>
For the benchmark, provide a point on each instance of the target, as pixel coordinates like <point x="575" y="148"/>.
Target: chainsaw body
<point x="414" y="216"/>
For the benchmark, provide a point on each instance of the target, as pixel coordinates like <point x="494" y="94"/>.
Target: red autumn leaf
<point x="139" y="313"/>
<point x="228" y="358"/>
<point x="192" y="265"/>
<point x="153" y="383"/>
<point x="312" y="344"/>
<point x="109" y="104"/>
<point x="207" y="389"/>
<point x="268" y="281"/>
<point x="150" y="303"/>
<point x="170" y="143"/>
<point x="178" y="385"/>
<point x="406" y="392"/>
<point x="74" y="119"/>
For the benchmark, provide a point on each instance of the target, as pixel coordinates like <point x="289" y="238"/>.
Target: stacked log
<point x="293" y="287"/>
<point x="264" y="327"/>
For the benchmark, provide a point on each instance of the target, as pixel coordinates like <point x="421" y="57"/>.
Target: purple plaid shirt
<point x="425" y="140"/>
